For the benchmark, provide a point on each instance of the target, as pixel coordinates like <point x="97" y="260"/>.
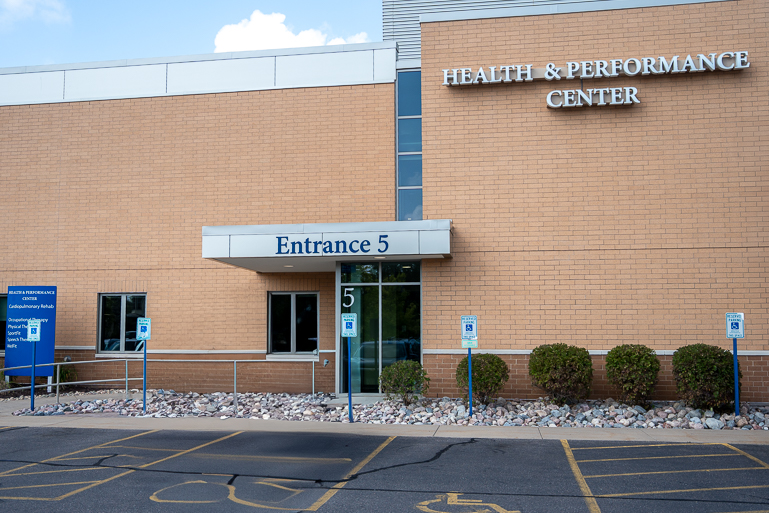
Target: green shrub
<point x="564" y="372"/>
<point x="704" y="376"/>
<point x="633" y="369"/>
<point x="489" y="376"/>
<point x="405" y="379"/>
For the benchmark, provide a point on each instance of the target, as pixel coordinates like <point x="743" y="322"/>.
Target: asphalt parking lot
<point x="67" y="469"/>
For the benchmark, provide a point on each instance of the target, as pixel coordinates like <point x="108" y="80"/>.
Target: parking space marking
<point x="51" y="460"/>
<point x="675" y="472"/>
<point x="89" y="484"/>
<point x="640" y="446"/>
<point x="271" y="459"/>
<point x="590" y="501"/>
<point x="334" y="489"/>
<point x="662" y="492"/>
<point x="761" y="465"/>
<point x="661" y="457"/>
<point x="452" y="499"/>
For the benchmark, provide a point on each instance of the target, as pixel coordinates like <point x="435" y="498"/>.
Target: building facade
<point x="590" y="173"/>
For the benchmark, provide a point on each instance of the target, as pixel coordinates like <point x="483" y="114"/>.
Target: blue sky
<point x="36" y="32"/>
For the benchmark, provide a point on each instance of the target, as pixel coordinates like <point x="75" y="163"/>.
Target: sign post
<point x="33" y="335"/>
<point x="469" y="341"/>
<point x="349" y="330"/>
<point x="143" y="333"/>
<point x="735" y="328"/>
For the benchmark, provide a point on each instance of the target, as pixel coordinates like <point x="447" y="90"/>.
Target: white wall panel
<point x="120" y="82"/>
<point x="326" y="69"/>
<point x="32" y="87"/>
<point x="384" y="66"/>
<point x="221" y="76"/>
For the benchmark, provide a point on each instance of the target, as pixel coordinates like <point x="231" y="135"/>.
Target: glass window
<point x="410" y="134"/>
<point x="389" y="323"/>
<point x="409" y="93"/>
<point x="117" y="322"/>
<point x="293" y="322"/>
<point x="360" y="273"/>
<point x="400" y="323"/>
<point x="409" y="145"/>
<point x="409" y="170"/>
<point x="400" y="272"/>
<point x="3" y="319"/>
<point x="410" y="205"/>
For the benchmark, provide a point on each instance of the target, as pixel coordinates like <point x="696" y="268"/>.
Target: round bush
<point x="405" y="379"/>
<point x="564" y="372"/>
<point x="633" y="369"/>
<point x="489" y="376"/>
<point x="704" y="376"/>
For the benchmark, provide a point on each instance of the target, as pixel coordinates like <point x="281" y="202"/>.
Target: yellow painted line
<point x="76" y="452"/>
<point x="749" y="456"/>
<point x="6" y="427"/>
<point x="182" y="453"/>
<point x="147" y="465"/>
<point x="57" y="471"/>
<point x="660" y="492"/>
<point x="661" y="457"/>
<point x="330" y="493"/>
<point x="97" y="483"/>
<point x="100" y="456"/>
<point x="642" y="446"/>
<point x="592" y="505"/>
<point x="285" y="459"/>
<point x="144" y="448"/>
<point x="46" y="485"/>
<point x="675" y="472"/>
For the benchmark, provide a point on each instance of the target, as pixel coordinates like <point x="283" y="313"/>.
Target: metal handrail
<point x="126" y="379"/>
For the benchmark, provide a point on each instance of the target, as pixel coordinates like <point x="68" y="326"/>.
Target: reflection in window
<point x="293" y="322"/>
<point x="118" y="314"/>
<point x="409" y="145"/>
<point x="410" y="204"/>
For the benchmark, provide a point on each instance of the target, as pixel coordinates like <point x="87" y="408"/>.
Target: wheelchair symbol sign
<point x="735" y="325"/>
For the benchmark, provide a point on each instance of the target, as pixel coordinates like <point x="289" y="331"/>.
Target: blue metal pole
<point x="349" y="377"/>
<point x="736" y="380"/>
<point x="470" y="377"/>
<point x="144" y="379"/>
<point x="32" y="383"/>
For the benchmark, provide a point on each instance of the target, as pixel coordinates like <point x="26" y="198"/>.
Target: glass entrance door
<point x="387" y="300"/>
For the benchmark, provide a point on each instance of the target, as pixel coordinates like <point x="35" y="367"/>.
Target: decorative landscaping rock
<point x="438" y="411"/>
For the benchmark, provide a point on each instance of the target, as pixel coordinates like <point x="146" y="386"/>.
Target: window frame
<point x="293" y="350"/>
<point x="398" y="153"/>
<point x="123" y="296"/>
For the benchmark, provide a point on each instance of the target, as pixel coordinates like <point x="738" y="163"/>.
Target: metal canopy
<point x="317" y="247"/>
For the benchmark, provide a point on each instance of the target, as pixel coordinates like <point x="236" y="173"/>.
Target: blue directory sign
<point x="25" y="304"/>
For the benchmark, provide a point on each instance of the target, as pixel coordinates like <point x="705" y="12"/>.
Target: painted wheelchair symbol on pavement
<point x="179" y="495"/>
<point x="452" y="499"/>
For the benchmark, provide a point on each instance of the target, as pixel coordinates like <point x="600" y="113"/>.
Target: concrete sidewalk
<point x="115" y="421"/>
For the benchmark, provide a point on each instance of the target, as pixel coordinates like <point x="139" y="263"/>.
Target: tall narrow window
<point x="293" y="322"/>
<point x="117" y="321"/>
<point x="409" y="146"/>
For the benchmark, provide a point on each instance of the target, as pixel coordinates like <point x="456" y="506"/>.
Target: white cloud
<point x="49" y="11"/>
<point x="269" y="31"/>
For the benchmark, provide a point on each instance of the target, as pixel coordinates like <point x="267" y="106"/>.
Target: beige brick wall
<point x="599" y="226"/>
<point x="110" y="196"/>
